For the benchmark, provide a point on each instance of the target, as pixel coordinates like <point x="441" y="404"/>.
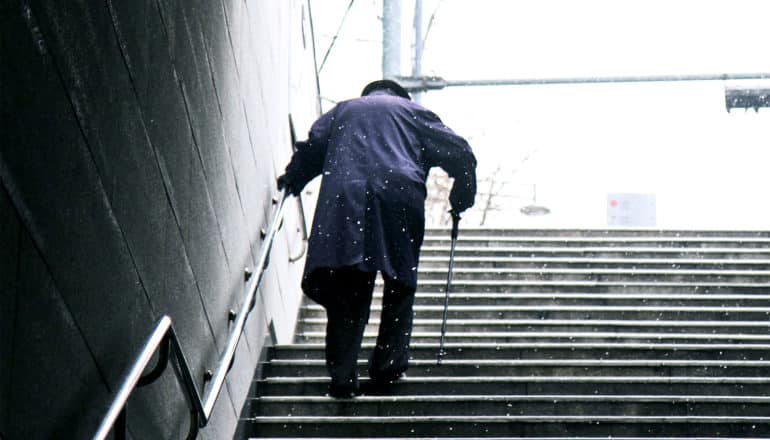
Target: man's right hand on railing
<point x="283" y="182"/>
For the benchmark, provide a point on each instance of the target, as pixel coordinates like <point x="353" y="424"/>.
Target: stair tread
<point x="628" y="239"/>
<point x="530" y="397"/>
<point x="462" y="246"/>
<point x="487" y="438"/>
<point x="598" y="271"/>
<point x="535" y="379"/>
<point x="642" y="261"/>
<point x="595" y="283"/>
<point x="559" y="362"/>
<point x="547" y="345"/>
<point x="498" y="308"/>
<point x="511" y="418"/>
<point x="588" y="295"/>
<point x="577" y="323"/>
<point x="587" y="322"/>
<point x="579" y="335"/>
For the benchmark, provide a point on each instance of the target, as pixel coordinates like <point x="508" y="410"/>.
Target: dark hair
<point x="386" y="84"/>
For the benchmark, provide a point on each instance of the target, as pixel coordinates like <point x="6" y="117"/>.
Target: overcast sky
<point x="577" y="144"/>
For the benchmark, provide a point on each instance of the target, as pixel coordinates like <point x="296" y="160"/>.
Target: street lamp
<point x="736" y="97"/>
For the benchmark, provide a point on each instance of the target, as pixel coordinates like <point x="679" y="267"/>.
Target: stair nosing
<point x="507" y="419"/>
<point x="554" y="362"/>
<point x="578" y="308"/>
<point x="300" y="346"/>
<point x="528" y="397"/>
<point x="544" y="379"/>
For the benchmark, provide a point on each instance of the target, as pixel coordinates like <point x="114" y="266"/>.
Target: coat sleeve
<point x="451" y="152"/>
<point x="308" y="159"/>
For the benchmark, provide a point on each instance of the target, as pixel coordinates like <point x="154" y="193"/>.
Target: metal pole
<point x="417" y="67"/>
<point x="611" y="79"/>
<point x="413" y="84"/>
<point x="391" y="38"/>
<point x="455" y="228"/>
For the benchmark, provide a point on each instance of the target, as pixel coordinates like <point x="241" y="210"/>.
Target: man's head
<point x="386" y="84"/>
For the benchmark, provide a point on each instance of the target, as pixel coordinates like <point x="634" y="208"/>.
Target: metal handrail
<point x="164" y="332"/>
<point x="133" y="376"/>
<point x="240" y="319"/>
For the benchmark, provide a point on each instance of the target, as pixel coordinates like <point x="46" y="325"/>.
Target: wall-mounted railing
<point x="164" y="340"/>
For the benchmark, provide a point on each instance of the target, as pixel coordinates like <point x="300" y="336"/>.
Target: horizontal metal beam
<point x="422" y="84"/>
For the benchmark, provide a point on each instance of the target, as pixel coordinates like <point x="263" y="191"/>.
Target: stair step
<point x="507" y="385"/>
<point x="588" y="298"/>
<point x="614" y="232"/>
<point x="520" y="405"/>
<point x="552" y="351"/>
<point x="599" y="275"/>
<point x="520" y="426"/>
<point x="597" y="252"/>
<point x="576" y="312"/>
<point x="590" y="337"/>
<point x="433" y="437"/>
<point x="544" y="367"/>
<point x="581" y="262"/>
<point x="629" y="241"/>
<point x="526" y="327"/>
<point x="512" y="286"/>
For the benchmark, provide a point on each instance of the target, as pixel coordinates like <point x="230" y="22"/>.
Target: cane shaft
<point x="455" y="227"/>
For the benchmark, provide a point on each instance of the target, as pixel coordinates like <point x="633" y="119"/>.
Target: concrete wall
<point x="139" y="147"/>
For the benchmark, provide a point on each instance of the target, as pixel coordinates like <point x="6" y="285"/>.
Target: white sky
<point x="578" y="143"/>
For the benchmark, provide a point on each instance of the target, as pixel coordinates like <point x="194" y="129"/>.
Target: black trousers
<point x="347" y="294"/>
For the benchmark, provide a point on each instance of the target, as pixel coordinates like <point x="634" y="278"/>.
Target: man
<point x="375" y="153"/>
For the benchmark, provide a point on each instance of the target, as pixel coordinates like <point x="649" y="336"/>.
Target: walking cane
<point x="455" y="227"/>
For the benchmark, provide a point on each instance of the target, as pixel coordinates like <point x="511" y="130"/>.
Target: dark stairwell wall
<point x="139" y="147"/>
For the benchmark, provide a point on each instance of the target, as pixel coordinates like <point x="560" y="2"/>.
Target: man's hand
<point x="460" y="198"/>
<point x="283" y="182"/>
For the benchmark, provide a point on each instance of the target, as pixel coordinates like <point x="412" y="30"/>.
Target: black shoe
<point x="343" y="392"/>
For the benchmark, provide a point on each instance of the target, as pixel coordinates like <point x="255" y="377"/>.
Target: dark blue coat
<point x="375" y="153"/>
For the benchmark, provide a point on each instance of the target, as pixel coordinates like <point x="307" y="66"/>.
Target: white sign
<point x="631" y="209"/>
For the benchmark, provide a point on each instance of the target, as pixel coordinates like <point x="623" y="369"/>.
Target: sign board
<point x="631" y="209"/>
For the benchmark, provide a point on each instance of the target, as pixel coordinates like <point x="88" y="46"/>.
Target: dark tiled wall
<point x="139" y="146"/>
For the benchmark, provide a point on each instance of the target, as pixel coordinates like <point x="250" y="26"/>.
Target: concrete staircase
<point x="557" y="333"/>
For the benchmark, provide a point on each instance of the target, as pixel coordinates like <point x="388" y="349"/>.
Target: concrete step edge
<point x="551" y="345"/>
<point x="541" y="379"/>
<point x="507" y="419"/>
<point x="502" y="438"/>
<point x="577" y="308"/>
<point x="587" y="295"/>
<point x="597" y="260"/>
<point x="441" y="244"/>
<point x="466" y="236"/>
<point x="588" y="283"/>
<point x="571" y="322"/>
<point x="527" y="398"/>
<point x="613" y="335"/>
<point x="598" y="271"/>
<point x="552" y="362"/>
